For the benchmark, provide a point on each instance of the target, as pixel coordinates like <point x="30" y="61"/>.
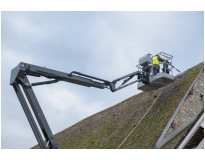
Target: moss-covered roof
<point x="110" y="127"/>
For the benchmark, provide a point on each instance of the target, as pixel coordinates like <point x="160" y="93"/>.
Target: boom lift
<point x="145" y="78"/>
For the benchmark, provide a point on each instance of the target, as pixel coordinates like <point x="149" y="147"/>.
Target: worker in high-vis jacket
<point x="156" y="63"/>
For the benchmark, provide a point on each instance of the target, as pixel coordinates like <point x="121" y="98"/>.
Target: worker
<point x="156" y="63"/>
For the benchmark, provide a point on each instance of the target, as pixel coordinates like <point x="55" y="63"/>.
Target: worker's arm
<point x="160" y="59"/>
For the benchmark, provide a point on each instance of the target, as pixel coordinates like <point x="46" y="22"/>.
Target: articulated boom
<point x="147" y="82"/>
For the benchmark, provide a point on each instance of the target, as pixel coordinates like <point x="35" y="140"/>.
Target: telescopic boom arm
<point x="19" y="77"/>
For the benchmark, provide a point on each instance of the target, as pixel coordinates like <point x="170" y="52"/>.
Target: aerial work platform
<point x="147" y="79"/>
<point x="150" y="81"/>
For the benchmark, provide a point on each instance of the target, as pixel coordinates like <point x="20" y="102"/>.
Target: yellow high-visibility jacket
<point x="155" y="60"/>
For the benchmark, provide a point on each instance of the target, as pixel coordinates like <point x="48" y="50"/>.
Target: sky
<point x="107" y="45"/>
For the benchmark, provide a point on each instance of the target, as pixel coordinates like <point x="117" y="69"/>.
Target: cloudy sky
<point x="107" y="45"/>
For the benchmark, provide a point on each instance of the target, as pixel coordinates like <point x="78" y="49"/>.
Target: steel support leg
<point x="29" y="115"/>
<point x="39" y="116"/>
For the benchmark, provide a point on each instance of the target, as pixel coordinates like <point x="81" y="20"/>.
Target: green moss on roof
<point x="108" y="128"/>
